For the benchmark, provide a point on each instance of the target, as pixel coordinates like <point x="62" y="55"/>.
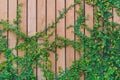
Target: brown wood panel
<point x="77" y="54"/>
<point x="32" y="20"/>
<point x="12" y="39"/>
<point x="50" y="19"/>
<point x="3" y="15"/>
<point x="31" y="17"/>
<point x="3" y="9"/>
<point x="60" y="5"/>
<point x="77" y="8"/>
<point x="76" y="15"/>
<point x="89" y="21"/>
<point x="69" y="34"/>
<point x="116" y="18"/>
<point x="23" y="24"/>
<point x="41" y="24"/>
<point x="23" y="13"/>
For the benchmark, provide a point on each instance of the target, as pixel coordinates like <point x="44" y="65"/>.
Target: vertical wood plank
<point x="12" y="39"/>
<point x="23" y="24"/>
<point x="3" y="15"/>
<point x="32" y="20"/>
<point x="76" y="15"/>
<point x="69" y="34"/>
<point x="41" y="15"/>
<point x="61" y="32"/>
<point x="41" y="24"/>
<point x="31" y="17"/>
<point x="3" y="9"/>
<point x="77" y="8"/>
<point x="50" y="19"/>
<point x="89" y="22"/>
<point x="77" y="54"/>
<point x="23" y="13"/>
<point x="116" y="18"/>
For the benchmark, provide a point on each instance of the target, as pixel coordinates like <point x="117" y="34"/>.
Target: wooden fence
<point x="36" y="15"/>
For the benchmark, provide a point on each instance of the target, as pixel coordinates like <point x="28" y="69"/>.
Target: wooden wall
<point x="36" y="15"/>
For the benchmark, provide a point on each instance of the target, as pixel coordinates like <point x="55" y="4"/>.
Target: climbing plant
<point x="99" y="52"/>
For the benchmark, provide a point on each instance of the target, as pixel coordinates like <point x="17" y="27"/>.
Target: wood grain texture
<point x="3" y="9"/>
<point x="41" y="25"/>
<point x="60" y="5"/>
<point x="12" y="39"/>
<point x="32" y="21"/>
<point x="76" y="15"/>
<point x="31" y="17"/>
<point x="23" y="23"/>
<point x="23" y="13"/>
<point x="116" y="18"/>
<point x="77" y="54"/>
<point x="3" y="15"/>
<point x="69" y="34"/>
<point x="89" y="21"/>
<point x="50" y="20"/>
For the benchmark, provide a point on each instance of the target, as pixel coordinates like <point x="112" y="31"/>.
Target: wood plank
<point x="77" y="8"/>
<point x="69" y="34"/>
<point x="50" y="19"/>
<point x="3" y="15"/>
<point x="89" y="13"/>
<point x="23" y="25"/>
<point x="32" y="21"/>
<point x="76" y="15"/>
<point x="23" y="13"/>
<point x="31" y="17"/>
<point x="3" y="9"/>
<point x="116" y="18"/>
<point x="41" y="24"/>
<point x="89" y="21"/>
<point x="12" y="39"/>
<point x="60" y="5"/>
<point x="77" y="54"/>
